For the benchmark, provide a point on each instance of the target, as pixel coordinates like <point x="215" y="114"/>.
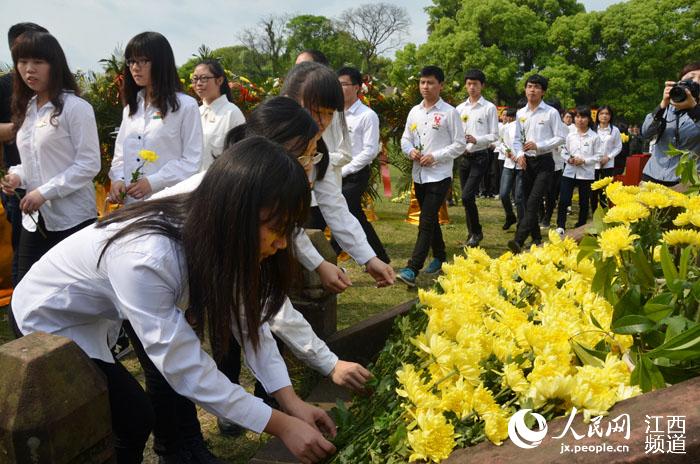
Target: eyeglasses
<point x="202" y="79"/>
<point x="140" y="62"/>
<point x="305" y="160"/>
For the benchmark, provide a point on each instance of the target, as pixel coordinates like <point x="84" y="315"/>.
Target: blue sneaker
<point x="434" y="266"/>
<point x="407" y="276"/>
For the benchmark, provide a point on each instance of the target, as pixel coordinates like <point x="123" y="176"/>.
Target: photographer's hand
<point x="686" y="104"/>
<point x="666" y="100"/>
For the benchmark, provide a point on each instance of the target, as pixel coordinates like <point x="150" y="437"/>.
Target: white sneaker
<point x="560" y="231"/>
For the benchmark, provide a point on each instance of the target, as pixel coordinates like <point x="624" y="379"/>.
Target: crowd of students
<point x="212" y="217"/>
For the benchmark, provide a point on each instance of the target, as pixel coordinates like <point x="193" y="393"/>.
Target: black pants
<point x="598" y="196"/>
<point x="537" y="180"/>
<point x="132" y="414"/>
<point x="550" y="199"/>
<point x="567" y="192"/>
<point x="32" y="246"/>
<point x="430" y="196"/>
<point x="472" y="169"/>
<point x="354" y="187"/>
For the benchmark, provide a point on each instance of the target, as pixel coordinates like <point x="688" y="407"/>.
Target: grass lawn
<point x="363" y="299"/>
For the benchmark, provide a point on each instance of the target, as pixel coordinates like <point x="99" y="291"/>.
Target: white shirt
<point x="587" y="147"/>
<point x="60" y="160"/>
<point x="337" y="141"/>
<point x="142" y="279"/>
<point x="288" y="324"/>
<point x="217" y="119"/>
<point x="498" y="144"/>
<point x="507" y="143"/>
<point x="542" y="126"/>
<point x="440" y="131"/>
<point x="480" y="120"/>
<point x="176" y="139"/>
<point x="363" y="127"/>
<point x="612" y="144"/>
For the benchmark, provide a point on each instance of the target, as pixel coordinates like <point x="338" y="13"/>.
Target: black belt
<point x="485" y="151"/>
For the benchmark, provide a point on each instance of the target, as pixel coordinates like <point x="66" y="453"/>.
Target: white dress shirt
<point x="507" y="143"/>
<point x="479" y="120"/>
<point x="142" y="279"/>
<point x="612" y="144"/>
<point x="363" y="127"/>
<point x="498" y="144"/>
<point x="217" y="119"/>
<point x="440" y="131"/>
<point x="288" y="324"/>
<point x="543" y="125"/>
<point x="60" y="160"/>
<point x="337" y="141"/>
<point x="176" y="139"/>
<point x="587" y="147"/>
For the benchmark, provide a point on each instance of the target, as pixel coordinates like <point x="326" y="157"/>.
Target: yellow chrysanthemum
<point x="413" y="127"/>
<point x="655" y="199"/>
<point x="599" y="184"/>
<point x="680" y="237"/>
<point x="615" y="240"/>
<point x="148" y="155"/>
<point x="626" y="213"/>
<point x="433" y="439"/>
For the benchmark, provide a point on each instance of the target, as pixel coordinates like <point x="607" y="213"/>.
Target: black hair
<point x="689" y="67"/>
<point x="475" y="75"/>
<point x="511" y="112"/>
<point x="352" y="73"/>
<point x="44" y="46"/>
<point x="254" y="177"/>
<point x="218" y="71"/>
<point x="585" y="111"/>
<point x="280" y="119"/>
<point x="433" y="71"/>
<point x="165" y="83"/>
<point x="316" y="55"/>
<point x="538" y="79"/>
<point x="609" y="110"/>
<point x="20" y="28"/>
<point x="571" y="113"/>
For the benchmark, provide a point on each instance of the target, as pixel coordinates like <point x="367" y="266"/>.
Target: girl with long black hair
<point x="58" y="147"/>
<point x="612" y="146"/>
<point x="149" y="265"/>
<point x="157" y="119"/>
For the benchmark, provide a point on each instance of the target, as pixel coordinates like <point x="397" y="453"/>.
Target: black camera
<point x="678" y="94"/>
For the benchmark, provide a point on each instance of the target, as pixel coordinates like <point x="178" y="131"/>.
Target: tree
<point x="320" y="33"/>
<point x="267" y="43"/>
<point x="377" y="28"/>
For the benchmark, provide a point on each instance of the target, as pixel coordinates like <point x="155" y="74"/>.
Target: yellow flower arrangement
<point x="601" y="183"/>
<point x="615" y="240"/>
<point x="680" y="237"/>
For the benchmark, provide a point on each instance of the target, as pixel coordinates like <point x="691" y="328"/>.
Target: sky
<point x="89" y="30"/>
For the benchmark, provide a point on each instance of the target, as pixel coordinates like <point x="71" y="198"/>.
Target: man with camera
<point x="674" y="123"/>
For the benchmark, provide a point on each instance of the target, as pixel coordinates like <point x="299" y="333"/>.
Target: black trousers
<point x="430" y="196"/>
<point x="354" y="187"/>
<point x="537" y="180"/>
<point x="567" y="192"/>
<point x="32" y="246"/>
<point x="550" y="199"/>
<point x="472" y="169"/>
<point x="132" y="414"/>
<point x="667" y="183"/>
<point x="598" y="196"/>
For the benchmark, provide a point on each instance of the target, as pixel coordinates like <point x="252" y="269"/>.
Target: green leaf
<point x="644" y="271"/>
<point x="588" y="356"/>
<point x="659" y="307"/>
<point x="603" y="276"/>
<point x="683" y="346"/>
<point x="632" y="324"/>
<point x="673" y="374"/>
<point x="676" y="325"/>
<point x="629" y="304"/>
<point x="683" y="265"/>
<point x="669" y="269"/>
<point x="595" y="321"/>
<point x="598" y="224"/>
<point x="647" y="375"/>
<point x="695" y="290"/>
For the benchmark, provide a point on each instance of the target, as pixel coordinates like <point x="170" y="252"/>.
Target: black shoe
<point x="198" y="453"/>
<point x="229" y="428"/>
<point x="475" y="239"/>
<point x="537" y="242"/>
<point x="509" y="222"/>
<point x="176" y="458"/>
<point x="515" y="247"/>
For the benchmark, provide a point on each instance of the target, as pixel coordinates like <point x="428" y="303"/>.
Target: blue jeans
<point x="512" y="178"/>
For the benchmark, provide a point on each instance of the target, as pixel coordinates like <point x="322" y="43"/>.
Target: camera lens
<point x="678" y="94"/>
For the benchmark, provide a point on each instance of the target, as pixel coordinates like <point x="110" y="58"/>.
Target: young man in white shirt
<point x="363" y="127"/>
<point x="539" y="131"/>
<point x="480" y="123"/>
<point x="433" y="138"/>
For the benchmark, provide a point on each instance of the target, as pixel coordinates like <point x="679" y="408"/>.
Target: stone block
<point x="54" y="404"/>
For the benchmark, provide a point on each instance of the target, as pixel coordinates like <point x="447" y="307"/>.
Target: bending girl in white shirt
<point x="219" y="114"/>
<point x="317" y="89"/>
<point x="149" y="265"/>
<point x="583" y="149"/>
<point x="58" y="146"/>
<point x="157" y="117"/>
